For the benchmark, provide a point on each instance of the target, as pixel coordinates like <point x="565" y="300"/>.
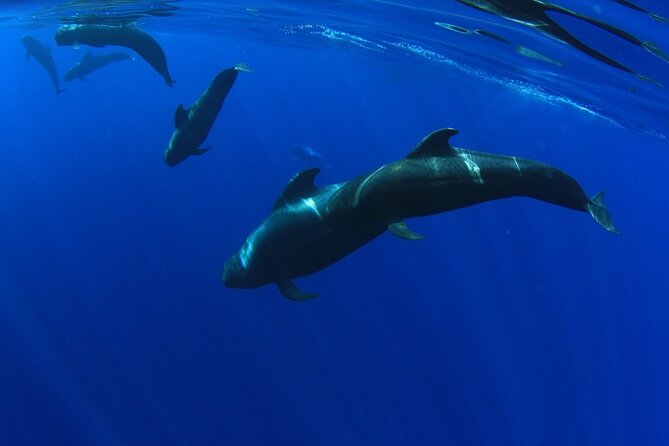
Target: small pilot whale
<point x="312" y="227"/>
<point x="42" y="54"/>
<point x="306" y="154"/>
<point x="193" y="125"/>
<point x="127" y="36"/>
<point x="91" y="62"/>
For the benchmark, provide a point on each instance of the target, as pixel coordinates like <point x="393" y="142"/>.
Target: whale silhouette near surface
<point x="127" y="36"/>
<point x="42" y="54"/>
<point x="539" y="16"/>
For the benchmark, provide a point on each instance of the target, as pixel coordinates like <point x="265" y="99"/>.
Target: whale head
<point x="174" y="154"/>
<point x="235" y="275"/>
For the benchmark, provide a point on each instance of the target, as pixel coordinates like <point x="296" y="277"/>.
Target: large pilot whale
<point x="92" y="62"/>
<point x="42" y="54"/>
<point x="126" y="36"/>
<point x="192" y="125"/>
<point x="312" y="227"/>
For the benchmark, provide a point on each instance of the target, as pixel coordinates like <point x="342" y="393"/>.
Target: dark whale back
<point x="210" y="102"/>
<point x="437" y="177"/>
<point x="126" y="36"/>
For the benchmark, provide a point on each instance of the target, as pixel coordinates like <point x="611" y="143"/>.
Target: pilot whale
<point x="193" y="125"/>
<point x="312" y="227"/>
<point x="42" y="54"/>
<point x="127" y="36"/>
<point x="92" y="62"/>
<point x="539" y="15"/>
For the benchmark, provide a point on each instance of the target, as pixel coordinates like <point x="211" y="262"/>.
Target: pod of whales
<point x="92" y="62"/>
<point x="312" y="227"/>
<point x="126" y="36"/>
<point x="42" y="54"/>
<point x="192" y="125"/>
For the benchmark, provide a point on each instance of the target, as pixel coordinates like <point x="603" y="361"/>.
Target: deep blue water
<point x="513" y="323"/>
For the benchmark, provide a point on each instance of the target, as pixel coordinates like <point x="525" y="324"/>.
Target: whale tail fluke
<point x="654" y="49"/>
<point x="242" y="67"/>
<point x="600" y="213"/>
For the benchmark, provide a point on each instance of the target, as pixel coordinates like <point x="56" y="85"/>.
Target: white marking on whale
<point x="473" y="168"/>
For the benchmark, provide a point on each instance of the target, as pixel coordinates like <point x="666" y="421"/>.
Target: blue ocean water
<point x="512" y="323"/>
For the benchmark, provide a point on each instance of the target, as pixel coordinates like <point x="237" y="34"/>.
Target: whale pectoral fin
<point x="180" y="116"/>
<point x="401" y="230"/>
<point x="198" y="152"/>
<point x="290" y="291"/>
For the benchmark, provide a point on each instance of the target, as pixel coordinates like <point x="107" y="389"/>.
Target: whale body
<point x="312" y="227"/>
<point x="92" y="62"/>
<point x="126" y="36"/>
<point x="192" y="125"/>
<point x="42" y="55"/>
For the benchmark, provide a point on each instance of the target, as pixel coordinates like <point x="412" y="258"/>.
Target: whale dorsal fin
<point x="180" y="116"/>
<point x="300" y="186"/>
<point x="435" y="144"/>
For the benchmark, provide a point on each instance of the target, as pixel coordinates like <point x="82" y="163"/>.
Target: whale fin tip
<point x="242" y="66"/>
<point x="598" y="210"/>
<point x="435" y="144"/>
<point x="202" y="151"/>
<point x="401" y="230"/>
<point x="291" y="292"/>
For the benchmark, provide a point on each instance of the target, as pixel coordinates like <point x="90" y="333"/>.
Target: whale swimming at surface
<point x="312" y="227"/>
<point x="126" y="36"/>
<point x="42" y="54"/>
<point x="91" y="62"/>
<point x="540" y="16"/>
<point x="192" y="125"/>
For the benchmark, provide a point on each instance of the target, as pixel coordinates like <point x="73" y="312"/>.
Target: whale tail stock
<point x="598" y="210"/>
